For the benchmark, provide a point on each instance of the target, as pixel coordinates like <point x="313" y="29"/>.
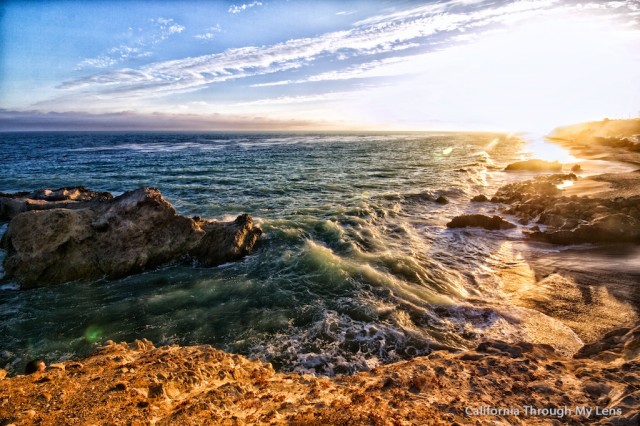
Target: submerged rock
<point x="442" y="200"/>
<point x="113" y="237"/>
<point x="481" y="198"/>
<point x="535" y="165"/>
<point x="480" y="221"/>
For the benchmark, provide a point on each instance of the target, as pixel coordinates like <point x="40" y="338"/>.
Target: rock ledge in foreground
<point x="113" y="237"/>
<point x="195" y="385"/>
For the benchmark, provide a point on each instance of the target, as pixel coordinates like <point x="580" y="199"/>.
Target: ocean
<point x="356" y="267"/>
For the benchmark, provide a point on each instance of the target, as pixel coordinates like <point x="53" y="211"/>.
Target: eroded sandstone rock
<point x="194" y="385"/>
<point x="114" y="237"/>
<point x="46" y="199"/>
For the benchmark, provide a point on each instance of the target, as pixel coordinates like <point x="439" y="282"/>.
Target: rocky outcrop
<point x="535" y="166"/>
<point x="141" y="384"/>
<point x="108" y="237"/>
<point x="613" y="228"/>
<point x="570" y="220"/>
<point x="480" y="221"/>
<point x="46" y="199"/>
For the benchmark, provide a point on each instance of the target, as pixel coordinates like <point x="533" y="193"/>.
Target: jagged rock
<point x="46" y="199"/>
<point x="538" y="190"/>
<point x="571" y="220"/>
<point x="535" y="165"/>
<point x="480" y="221"/>
<point x="616" y="227"/>
<point x="114" y="237"/>
<point x="224" y="241"/>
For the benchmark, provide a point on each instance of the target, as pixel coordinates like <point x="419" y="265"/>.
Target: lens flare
<point x="93" y="334"/>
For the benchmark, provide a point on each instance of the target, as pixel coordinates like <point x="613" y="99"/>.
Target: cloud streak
<point x="377" y="35"/>
<point x="210" y="33"/>
<point x="162" y="29"/>
<point x="435" y="26"/>
<point x="234" y="9"/>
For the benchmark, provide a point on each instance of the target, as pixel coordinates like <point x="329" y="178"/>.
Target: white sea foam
<point x="152" y="147"/>
<point x="10" y="287"/>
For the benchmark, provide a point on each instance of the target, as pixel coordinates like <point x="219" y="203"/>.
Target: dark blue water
<point x="356" y="267"/>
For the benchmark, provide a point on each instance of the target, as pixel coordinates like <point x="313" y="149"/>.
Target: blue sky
<point x="303" y="65"/>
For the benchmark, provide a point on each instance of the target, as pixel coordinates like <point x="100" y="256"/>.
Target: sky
<point x="526" y="65"/>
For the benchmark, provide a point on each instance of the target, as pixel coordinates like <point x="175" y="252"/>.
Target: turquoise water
<point x="356" y="267"/>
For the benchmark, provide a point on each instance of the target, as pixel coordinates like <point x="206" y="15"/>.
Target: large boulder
<point x="535" y="165"/>
<point x="114" y="237"/>
<point x="480" y="221"/>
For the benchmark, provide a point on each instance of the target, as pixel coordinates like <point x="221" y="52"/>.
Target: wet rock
<point x="442" y="200"/>
<point x="535" y="165"/>
<point x="115" y="237"/>
<point x="480" y="221"/>
<point x="613" y="228"/>
<point x="570" y="220"/>
<point x="576" y="168"/>
<point x="480" y="199"/>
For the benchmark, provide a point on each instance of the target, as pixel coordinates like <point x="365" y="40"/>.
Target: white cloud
<point x="237" y="9"/>
<point x="165" y="27"/>
<point x="289" y="100"/>
<point x="394" y="66"/>
<point x="162" y="29"/>
<point x="102" y="61"/>
<point x="209" y="34"/>
<point x="438" y="24"/>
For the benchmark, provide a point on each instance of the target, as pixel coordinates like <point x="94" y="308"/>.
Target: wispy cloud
<point x="374" y="36"/>
<point x="387" y="67"/>
<point x="209" y="34"/>
<point x="161" y="29"/>
<point x="438" y="24"/>
<point x="165" y="27"/>
<point x="241" y="8"/>
<point x="288" y="100"/>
